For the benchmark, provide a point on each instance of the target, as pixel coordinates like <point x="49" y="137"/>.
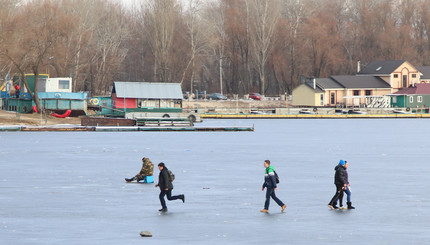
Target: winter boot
<point x="264" y="211"/>
<point x="163" y="210"/>
<point x="130" y="180"/>
<point x="139" y="178"/>
<point x="342" y="207"/>
<point x="350" y="205"/>
<point x="182" y="197"/>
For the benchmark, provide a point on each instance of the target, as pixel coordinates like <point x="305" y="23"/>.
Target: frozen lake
<point x="68" y="187"/>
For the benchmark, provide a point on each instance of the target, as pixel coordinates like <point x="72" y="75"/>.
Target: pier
<point x="69" y="128"/>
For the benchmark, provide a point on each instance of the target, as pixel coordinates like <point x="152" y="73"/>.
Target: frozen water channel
<point x="68" y="187"/>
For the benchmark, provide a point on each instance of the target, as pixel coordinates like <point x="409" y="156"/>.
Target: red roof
<point x="418" y="88"/>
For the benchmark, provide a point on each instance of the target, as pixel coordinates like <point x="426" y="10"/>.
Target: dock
<point x="311" y="116"/>
<point x="121" y="129"/>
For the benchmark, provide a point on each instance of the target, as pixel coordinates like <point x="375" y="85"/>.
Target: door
<point x="405" y="81"/>
<point x="332" y="99"/>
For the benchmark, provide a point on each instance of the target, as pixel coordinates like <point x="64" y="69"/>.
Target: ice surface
<point x="68" y="187"/>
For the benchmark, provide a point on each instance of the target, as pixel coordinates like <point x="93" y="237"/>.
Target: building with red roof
<point x="415" y="96"/>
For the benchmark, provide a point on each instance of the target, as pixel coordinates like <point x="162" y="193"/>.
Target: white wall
<point x="59" y="84"/>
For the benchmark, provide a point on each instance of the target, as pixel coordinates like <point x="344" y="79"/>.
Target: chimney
<point x="315" y="83"/>
<point x="358" y="66"/>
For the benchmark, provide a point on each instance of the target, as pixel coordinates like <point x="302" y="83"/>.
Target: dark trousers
<point x="337" y="195"/>
<point x="169" y="197"/>
<point x="270" y="193"/>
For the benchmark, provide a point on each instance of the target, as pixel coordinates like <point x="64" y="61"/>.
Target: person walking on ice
<point x="340" y="181"/>
<point x="165" y="179"/>
<point x="147" y="170"/>
<point x="347" y="188"/>
<point x="270" y="185"/>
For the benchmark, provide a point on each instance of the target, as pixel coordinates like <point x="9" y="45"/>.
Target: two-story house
<point x="372" y="83"/>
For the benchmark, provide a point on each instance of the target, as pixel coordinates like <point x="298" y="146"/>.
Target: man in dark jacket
<point x="166" y="187"/>
<point x="270" y="184"/>
<point x="340" y="182"/>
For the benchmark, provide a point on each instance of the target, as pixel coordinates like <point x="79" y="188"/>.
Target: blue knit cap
<point x="342" y="162"/>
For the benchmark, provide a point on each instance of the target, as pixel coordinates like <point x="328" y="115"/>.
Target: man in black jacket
<point x="340" y="182"/>
<point x="166" y="187"/>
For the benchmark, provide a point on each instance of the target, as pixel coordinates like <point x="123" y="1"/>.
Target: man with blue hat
<point x="340" y="182"/>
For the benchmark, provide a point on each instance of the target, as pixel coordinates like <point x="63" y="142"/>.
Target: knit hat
<point x="342" y="162"/>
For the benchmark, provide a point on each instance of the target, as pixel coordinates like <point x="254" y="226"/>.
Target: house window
<point x="356" y="92"/>
<point x="419" y="99"/>
<point x="322" y="99"/>
<point x="394" y="99"/>
<point x="332" y="99"/>
<point x="64" y="84"/>
<point x="414" y="75"/>
<point x="405" y="81"/>
<point x="411" y="99"/>
<point x="368" y="92"/>
<point x="396" y="75"/>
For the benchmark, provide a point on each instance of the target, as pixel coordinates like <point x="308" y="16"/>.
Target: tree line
<point x="228" y="46"/>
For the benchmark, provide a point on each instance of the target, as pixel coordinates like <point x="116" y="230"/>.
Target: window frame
<point x="62" y="83"/>
<point x="419" y="99"/>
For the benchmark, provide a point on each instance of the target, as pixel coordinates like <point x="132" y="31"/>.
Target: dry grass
<point x="12" y="118"/>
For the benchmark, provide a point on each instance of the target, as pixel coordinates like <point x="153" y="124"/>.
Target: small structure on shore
<point x="55" y="95"/>
<point x="145" y="96"/>
<point x="137" y="100"/>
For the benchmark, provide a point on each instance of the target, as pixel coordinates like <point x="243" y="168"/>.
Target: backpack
<point x="171" y="175"/>
<point x="276" y="177"/>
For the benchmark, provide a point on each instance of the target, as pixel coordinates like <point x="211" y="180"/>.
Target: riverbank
<point x="34" y="119"/>
<point x="310" y="116"/>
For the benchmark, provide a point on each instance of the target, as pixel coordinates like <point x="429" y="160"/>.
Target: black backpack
<point x="171" y="175"/>
<point x="276" y="177"/>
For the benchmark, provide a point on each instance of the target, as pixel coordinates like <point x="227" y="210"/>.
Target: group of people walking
<point x="340" y="180"/>
<point x="342" y="185"/>
<point x="165" y="179"/>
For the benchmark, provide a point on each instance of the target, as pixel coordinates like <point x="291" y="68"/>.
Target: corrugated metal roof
<point x="351" y="82"/>
<point x="145" y="90"/>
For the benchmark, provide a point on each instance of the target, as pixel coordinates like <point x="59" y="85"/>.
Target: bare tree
<point x="264" y="17"/>
<point x="294" y="16"/>
<point x="33" y="33"/>
<point x="216" y="16"/>
<point x="111" y="32"/>
<point x="197" y="35"/>
<point x="160" y="22"/>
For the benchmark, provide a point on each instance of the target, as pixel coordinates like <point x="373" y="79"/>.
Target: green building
<point x="415" y="96"/>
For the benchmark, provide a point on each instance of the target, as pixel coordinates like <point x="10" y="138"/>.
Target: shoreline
<point x="312" y="116"/>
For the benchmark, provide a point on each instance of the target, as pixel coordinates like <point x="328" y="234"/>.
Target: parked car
<point x="255" y="96"/>
<point x="202" y="95"/>
<point x="216" y="96"/>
